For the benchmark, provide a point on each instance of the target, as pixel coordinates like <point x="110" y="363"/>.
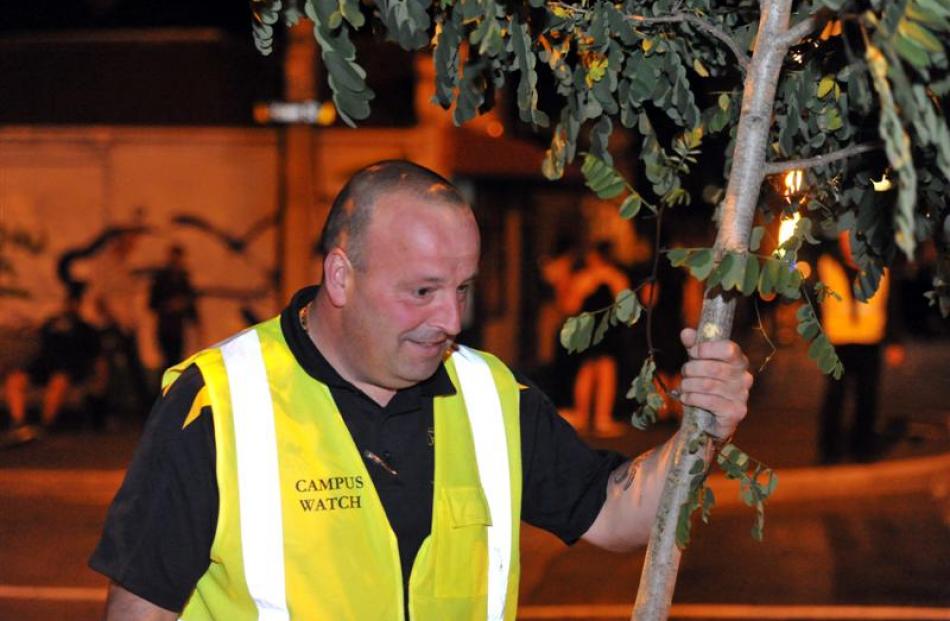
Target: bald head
<point x="353" y="207"/>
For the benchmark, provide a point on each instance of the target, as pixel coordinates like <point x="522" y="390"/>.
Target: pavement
<point x="851" y="541"/>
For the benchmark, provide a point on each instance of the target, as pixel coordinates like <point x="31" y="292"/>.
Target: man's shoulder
<point x="532" y="396"/>
<point x="180" y="395"/>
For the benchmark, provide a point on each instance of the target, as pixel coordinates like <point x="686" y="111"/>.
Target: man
<point x="346" y="461"/>
<point x="173" y="300"/>
<point x="859" y="332"/>
<point x="68" y="356"/>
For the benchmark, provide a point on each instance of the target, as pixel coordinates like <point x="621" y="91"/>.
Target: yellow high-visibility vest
<point x="301" y="532"/>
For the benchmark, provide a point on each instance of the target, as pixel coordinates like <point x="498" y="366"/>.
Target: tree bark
<point x="774" y="37"/>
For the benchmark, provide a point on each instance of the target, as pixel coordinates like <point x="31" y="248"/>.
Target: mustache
<point x="430" y="337"/>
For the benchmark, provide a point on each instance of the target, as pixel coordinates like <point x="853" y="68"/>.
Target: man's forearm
<point x="125" y="606"/>
<point x="633" y="495"/>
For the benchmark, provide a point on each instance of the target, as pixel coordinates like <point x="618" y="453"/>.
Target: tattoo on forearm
<point x="627" y="471"/>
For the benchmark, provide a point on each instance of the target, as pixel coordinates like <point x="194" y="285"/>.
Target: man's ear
<point x="337" y="276"/>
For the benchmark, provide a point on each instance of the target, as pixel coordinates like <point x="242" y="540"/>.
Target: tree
<point x="853" y="93"/>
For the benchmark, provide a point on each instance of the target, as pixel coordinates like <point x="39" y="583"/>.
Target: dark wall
<point x="182" y="77"/>
<point x="161" y="62"/>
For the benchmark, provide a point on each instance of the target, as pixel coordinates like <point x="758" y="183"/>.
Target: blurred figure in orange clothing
<point x="594" y="287"/>
<point x="857" y="330"/>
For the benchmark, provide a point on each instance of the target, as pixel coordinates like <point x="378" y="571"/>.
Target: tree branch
<point x="795" y="34"/>
<point x="694" y="20"/>
<point x="774" y="168"/>
<point x="701" y="24"/>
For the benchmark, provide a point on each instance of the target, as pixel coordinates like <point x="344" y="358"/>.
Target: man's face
<point x="409" y="294"/>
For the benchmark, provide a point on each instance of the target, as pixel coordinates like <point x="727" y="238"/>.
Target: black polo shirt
<point x="161" y="524"/>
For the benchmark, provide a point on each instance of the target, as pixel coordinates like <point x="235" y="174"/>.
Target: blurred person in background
<point x="858" y="331"/>
<point x="557" y="272"/>
<point x="173" y="300"/>
<point x="68" y="357"/>
<point x="594" y="287"/>
<point x="116" y="290"/>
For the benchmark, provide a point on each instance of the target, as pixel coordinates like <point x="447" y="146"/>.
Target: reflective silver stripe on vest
<point x="491" y="451"/>
<point x="262" y="537"/>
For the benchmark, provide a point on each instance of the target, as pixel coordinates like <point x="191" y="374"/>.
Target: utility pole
<point x="300" y="214"/>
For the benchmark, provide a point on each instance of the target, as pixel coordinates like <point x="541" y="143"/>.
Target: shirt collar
<point x="317" y="366"/>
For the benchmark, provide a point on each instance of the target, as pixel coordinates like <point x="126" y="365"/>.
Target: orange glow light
<point x="327" y="114"/>
<point x="495" y="129"/>
<point x="261" y="113"/>
<point x="787" y="228"/>
<point x="793" y="183"/>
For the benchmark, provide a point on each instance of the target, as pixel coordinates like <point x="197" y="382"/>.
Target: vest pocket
<point x="467" y="506"/>
<point x="461" y="553"/>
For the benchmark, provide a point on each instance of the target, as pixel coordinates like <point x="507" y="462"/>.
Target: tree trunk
<point x="658" y="579"/>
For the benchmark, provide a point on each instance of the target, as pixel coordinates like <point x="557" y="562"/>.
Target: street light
<point x="308" y="112"/>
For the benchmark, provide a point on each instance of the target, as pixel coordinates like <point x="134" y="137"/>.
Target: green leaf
<point x="755" y="241"/>
<point x="700" y="263"/>
<point x="630" y="206"/>
<point x="584" y="332"/>
<point x="805" y="313"/>
<point x="471" y="92"/>
<point x="723" y="102"/>
<point x="770" y="276"/>
<point x="604" y="180"/>
<point x="838" y="371"/>
<point x="733" y="272"/>
<point x="407" y="22"/>
<point x="677" y="256"/>
<point x="683" y="527"/>
<point x="643" y="417"/>
<point x="818" y="347"/>
<point x="567" y="333"/>
<point x="445" y="58"/>
<point x="709" y="501"/>
<point x="751" y="277"/>
<point x="350" y="9"/>
<point x="642" y="384"/>
<point x="833" y="119"/>
<point x="699" y="68"/>
<point x="911" y="52"/>
<point x="628" y="307"/>
<point x="527" y="85"/>
<point x="808" y="329"/>
<point x="748" y="494"/>
<point x="791" y="285"/>
<point x="602" y="326"/>
<point x="897" y="147"/>
<point x="828" y="360"/>
<point x="715" y="277"/>
<point x="920" y="35"/>
<point x="347" y="75"/>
